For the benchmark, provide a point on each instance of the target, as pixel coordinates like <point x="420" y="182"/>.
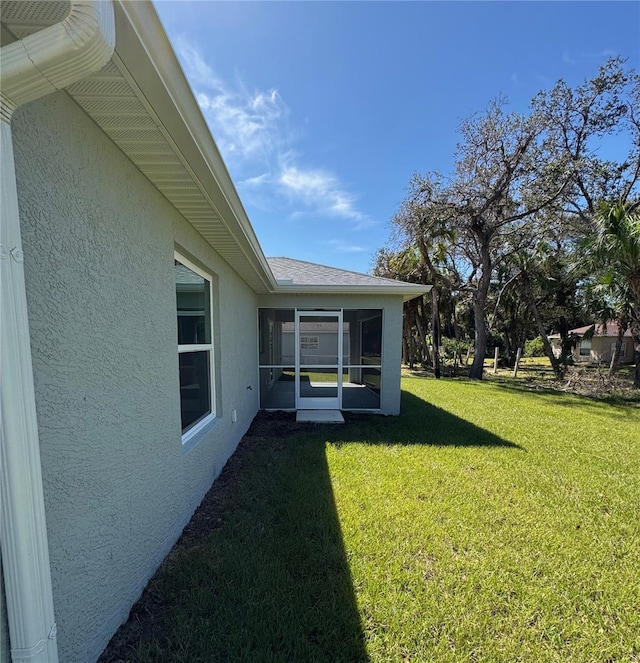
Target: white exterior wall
<point x="327" y="343"/>
<point x="98" y="242"/>
<point x="601" y="347"/>
<point x="4" y="627"/>
<point x="391" y="332"/>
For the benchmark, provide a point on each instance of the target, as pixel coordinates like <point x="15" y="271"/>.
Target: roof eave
<point x="407" y="291"/>
<point x="143" y="47"/>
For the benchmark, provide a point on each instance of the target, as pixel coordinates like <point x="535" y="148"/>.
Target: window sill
<point x="192" y="437"/>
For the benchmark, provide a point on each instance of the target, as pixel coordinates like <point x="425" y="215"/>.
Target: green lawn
<point x="483" y="524"/>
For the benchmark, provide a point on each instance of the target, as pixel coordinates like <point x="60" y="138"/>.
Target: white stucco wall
<point x="4" y="628"/>
<point x="98" y="244"/>
<point x="391" y="332"/>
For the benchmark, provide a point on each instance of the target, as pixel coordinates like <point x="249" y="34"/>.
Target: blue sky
<point x="324" y="110"/>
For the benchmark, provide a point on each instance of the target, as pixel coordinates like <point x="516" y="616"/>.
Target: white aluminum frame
<point x="320" y="403"/>
<point x="294" y="367"/>
<point x="188" y="435"/>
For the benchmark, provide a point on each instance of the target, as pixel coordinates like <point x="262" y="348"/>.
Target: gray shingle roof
<point x="611" y="330"/>
<point x="297" y="272"/>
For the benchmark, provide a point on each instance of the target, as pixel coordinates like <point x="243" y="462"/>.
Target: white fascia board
<point x="406" y="290"/>
<point x="146" y="58"/>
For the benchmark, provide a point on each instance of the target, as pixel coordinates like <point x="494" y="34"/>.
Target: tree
<point x="610" y="300"/>
<point x="480" y="212"/>
<point x="578" y="123"/>
<point x="405" y="265"/>
<point x="420" y="222"/>
<point x="613" y="251"/>
<point x="518" y="180"/>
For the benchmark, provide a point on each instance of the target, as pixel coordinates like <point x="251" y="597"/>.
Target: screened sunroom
<point x="312" y="359"/>
<point x="330" y="339"/>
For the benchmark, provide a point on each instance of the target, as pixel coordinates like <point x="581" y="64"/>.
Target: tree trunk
<point x="424" y="350"/>
<point x="548" y="350"/>
<point x="425" y="325"/>
<point x="479" y="317"/>
<point x="410" y="345"/>
<point x="477" y="367"/>
<point x="435" y="323"/>
<point x="406" y="335"/>
<point x="615" y="356"/>
<point x="635" y="332"/>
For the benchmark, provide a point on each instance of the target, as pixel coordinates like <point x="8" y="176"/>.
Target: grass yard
<point x="485" y="523"/>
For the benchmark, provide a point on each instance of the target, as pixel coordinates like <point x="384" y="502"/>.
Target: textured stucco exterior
<point x="391" y="331"/>
<point x="4" y="628"/>
<point x="99" y="245"/>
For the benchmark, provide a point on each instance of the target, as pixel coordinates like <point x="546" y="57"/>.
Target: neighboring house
<point x="141" y="325"/>
<point x="598" y="347"/>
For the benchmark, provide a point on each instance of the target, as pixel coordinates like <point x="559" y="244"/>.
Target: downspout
<point x="35" y="66"/>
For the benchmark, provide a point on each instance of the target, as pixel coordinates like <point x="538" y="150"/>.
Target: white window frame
<point x="308" y="342"/>
<point x="190" y="433"/>
<point x="585" y="346"/>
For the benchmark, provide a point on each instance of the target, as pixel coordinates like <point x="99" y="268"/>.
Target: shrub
<point x="534" y="348"/>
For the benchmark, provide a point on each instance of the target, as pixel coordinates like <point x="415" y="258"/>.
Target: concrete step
<point x="320" y="416"/>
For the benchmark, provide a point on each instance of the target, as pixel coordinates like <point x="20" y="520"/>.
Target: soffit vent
<point x="113" y="104"/>
<point x="25" y="18"/>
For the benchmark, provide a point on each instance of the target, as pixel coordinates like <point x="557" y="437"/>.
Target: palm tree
<point x="612" y="251"/>
<point x="610" y="301"/>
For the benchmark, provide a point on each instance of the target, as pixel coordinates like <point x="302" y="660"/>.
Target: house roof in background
<point x="611" y="330"/>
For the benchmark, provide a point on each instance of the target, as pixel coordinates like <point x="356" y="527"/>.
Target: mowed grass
<point x="483" y="524"/>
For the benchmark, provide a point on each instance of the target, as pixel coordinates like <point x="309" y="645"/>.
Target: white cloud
<point x="319" y="190"/>
<point x="253" y="134"/>
<point x="256" y="181"/>
<point x="340" y="246"/>
<point x="578" y="58"/>
<point x="245" y="126"/>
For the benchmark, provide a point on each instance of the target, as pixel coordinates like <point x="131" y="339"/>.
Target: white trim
<point x="305" y="403"/>
<point x="344" y="366"/>
<point x="199" y="347"/>
<point x="194" y="430"/>
<point x="23" y="531"/>
<point x="167" y="96"/>
<point x="312" y="341"/>
<point x="407" y="290"/>
<point x="30" y="68"/>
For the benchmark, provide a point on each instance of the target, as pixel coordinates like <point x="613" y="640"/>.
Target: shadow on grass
<point x="419" y="423"/>
<point x="260" y="573"/>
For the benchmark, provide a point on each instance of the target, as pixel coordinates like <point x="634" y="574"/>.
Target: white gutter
<point x="35" y="66"/>
<point x="407" y="290"/>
